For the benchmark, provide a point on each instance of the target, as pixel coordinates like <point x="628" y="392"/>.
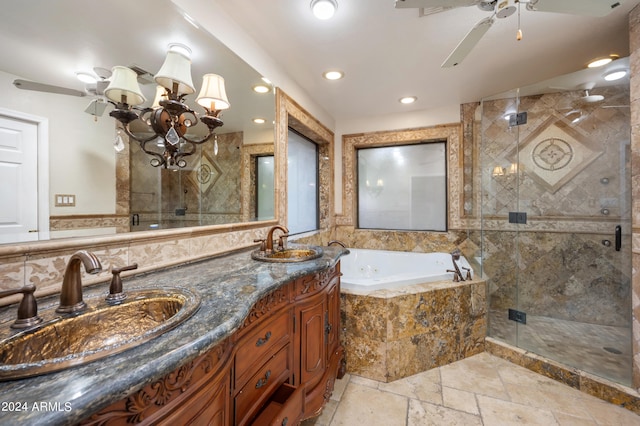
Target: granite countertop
<point x="228" y="286"/>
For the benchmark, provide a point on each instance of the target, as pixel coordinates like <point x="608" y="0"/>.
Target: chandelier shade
<point x="176" y="69"/>
<point x="212" y="95"/>
<point x="124" y="87"/>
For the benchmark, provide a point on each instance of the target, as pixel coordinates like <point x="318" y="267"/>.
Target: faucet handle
<point x="263" y="243"/>
<point x="27" y="309"/>
<point x="116" y="295"/>
<point x="468" y="277"/>
<point x="456" y="275"/>
<point x="282" y="241"/>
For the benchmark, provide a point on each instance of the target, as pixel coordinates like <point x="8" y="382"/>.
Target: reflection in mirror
<point x="110" y="181"/>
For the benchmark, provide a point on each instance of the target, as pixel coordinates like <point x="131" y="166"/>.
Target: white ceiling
<point x="387" y="53"/>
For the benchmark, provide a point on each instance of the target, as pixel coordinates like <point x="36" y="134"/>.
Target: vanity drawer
<point x="267" y="338"/>
<point x="285" y="407"/>
<point x="261" y="385"/>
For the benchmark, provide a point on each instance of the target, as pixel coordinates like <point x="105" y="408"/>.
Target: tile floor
<point x="597" y="349"/>
<point x="480" y="390"/>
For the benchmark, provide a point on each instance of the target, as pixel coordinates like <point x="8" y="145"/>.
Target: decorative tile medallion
<point x="554" y="153"/>
<point x="206" y="174"/>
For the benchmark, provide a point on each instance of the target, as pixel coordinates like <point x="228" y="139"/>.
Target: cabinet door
<point x="332" y="327"/>
<point x="313" y="348"/>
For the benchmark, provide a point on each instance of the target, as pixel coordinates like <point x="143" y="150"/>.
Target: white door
<point x="18" y="180"/>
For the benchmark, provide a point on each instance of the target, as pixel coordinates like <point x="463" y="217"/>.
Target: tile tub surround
<point x="391" y="334"/>
<point x="228" y="286"/>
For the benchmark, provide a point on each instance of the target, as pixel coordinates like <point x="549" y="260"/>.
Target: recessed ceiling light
<point x="333" y="75"/>
<point x="408" y="100"/>
<point x="260" y="88"/>
<point x="258" y="120"/>
<point x="615" y="75"/>
<point x="324" y="9"/>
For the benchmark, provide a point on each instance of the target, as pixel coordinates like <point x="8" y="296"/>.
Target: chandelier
<point x="169" y="118"/>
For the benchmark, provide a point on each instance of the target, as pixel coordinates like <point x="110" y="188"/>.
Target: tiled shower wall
<point x="556" y="265"/>
<point x="208" y="188"/>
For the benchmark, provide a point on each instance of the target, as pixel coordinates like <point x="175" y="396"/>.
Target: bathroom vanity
<point x="263" y="348"/>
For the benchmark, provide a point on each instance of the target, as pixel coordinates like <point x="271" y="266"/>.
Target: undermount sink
<point x="99" y="332"/>
<point x="288" y="255"/>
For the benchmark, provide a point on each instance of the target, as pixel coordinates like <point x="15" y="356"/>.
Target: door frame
<point x="42" y="124"/>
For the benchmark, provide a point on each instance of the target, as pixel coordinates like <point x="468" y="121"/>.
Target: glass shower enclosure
<point x="556" y="221"/>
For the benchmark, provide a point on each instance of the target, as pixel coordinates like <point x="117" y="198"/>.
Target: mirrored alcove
<point x="86" y="186"/>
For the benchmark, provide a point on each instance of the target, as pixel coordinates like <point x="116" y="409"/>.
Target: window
<point x="403" y="187"/>
<point x="264" y="187"/>
<point x="302" y="184"/>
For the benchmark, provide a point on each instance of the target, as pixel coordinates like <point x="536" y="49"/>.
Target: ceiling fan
<point x="501" y="9"/>
<point x="101" y="78"/>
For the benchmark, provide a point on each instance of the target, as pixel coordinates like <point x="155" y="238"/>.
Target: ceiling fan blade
<point x="468" y="43"/>
<point x="449" y="4"/>
<point x="575" y="7"/>
<point x="41" y="87"/>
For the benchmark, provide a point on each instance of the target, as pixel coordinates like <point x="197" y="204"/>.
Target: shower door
<point x="556" y="225"/>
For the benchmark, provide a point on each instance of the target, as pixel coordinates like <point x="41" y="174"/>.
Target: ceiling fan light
<point x="599" y="62"/>
<point x="615" y="75"/>
<point x="85" y="77"/>
<point x="324" y="9"/>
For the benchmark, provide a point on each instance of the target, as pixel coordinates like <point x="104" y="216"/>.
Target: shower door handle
<point x="618" y="237"/>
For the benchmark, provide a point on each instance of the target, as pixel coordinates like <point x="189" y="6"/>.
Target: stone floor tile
<point x="363" y="405"/>
<point x="422" y="386"/>
<point x="473" y="376"/>
<point x="499" y="412"/>
<point x="324" y="419"/>
<point x="460" y="400"/>
<point x="609" y="414"/>
<point x="364" y="381"/>
<point x="426" y="414"/>
<point x="339" y="387"/>
<point x="569" y="420"/>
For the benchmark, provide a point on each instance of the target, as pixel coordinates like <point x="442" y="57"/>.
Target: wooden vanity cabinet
<point x="277" y="369"/>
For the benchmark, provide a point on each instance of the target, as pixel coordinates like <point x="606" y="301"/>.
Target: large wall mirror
<point x="91" y="183"/>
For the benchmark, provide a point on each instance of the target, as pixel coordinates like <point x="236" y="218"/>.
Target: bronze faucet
<point x="269" y="242"/>
<point x="71" y="293"/>
<point x="457" y="275"/>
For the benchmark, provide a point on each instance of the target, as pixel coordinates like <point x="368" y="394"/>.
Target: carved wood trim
<point x="315" y="283"/>
<point x="268" y="304"/>
<point x="141" y="405"/>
